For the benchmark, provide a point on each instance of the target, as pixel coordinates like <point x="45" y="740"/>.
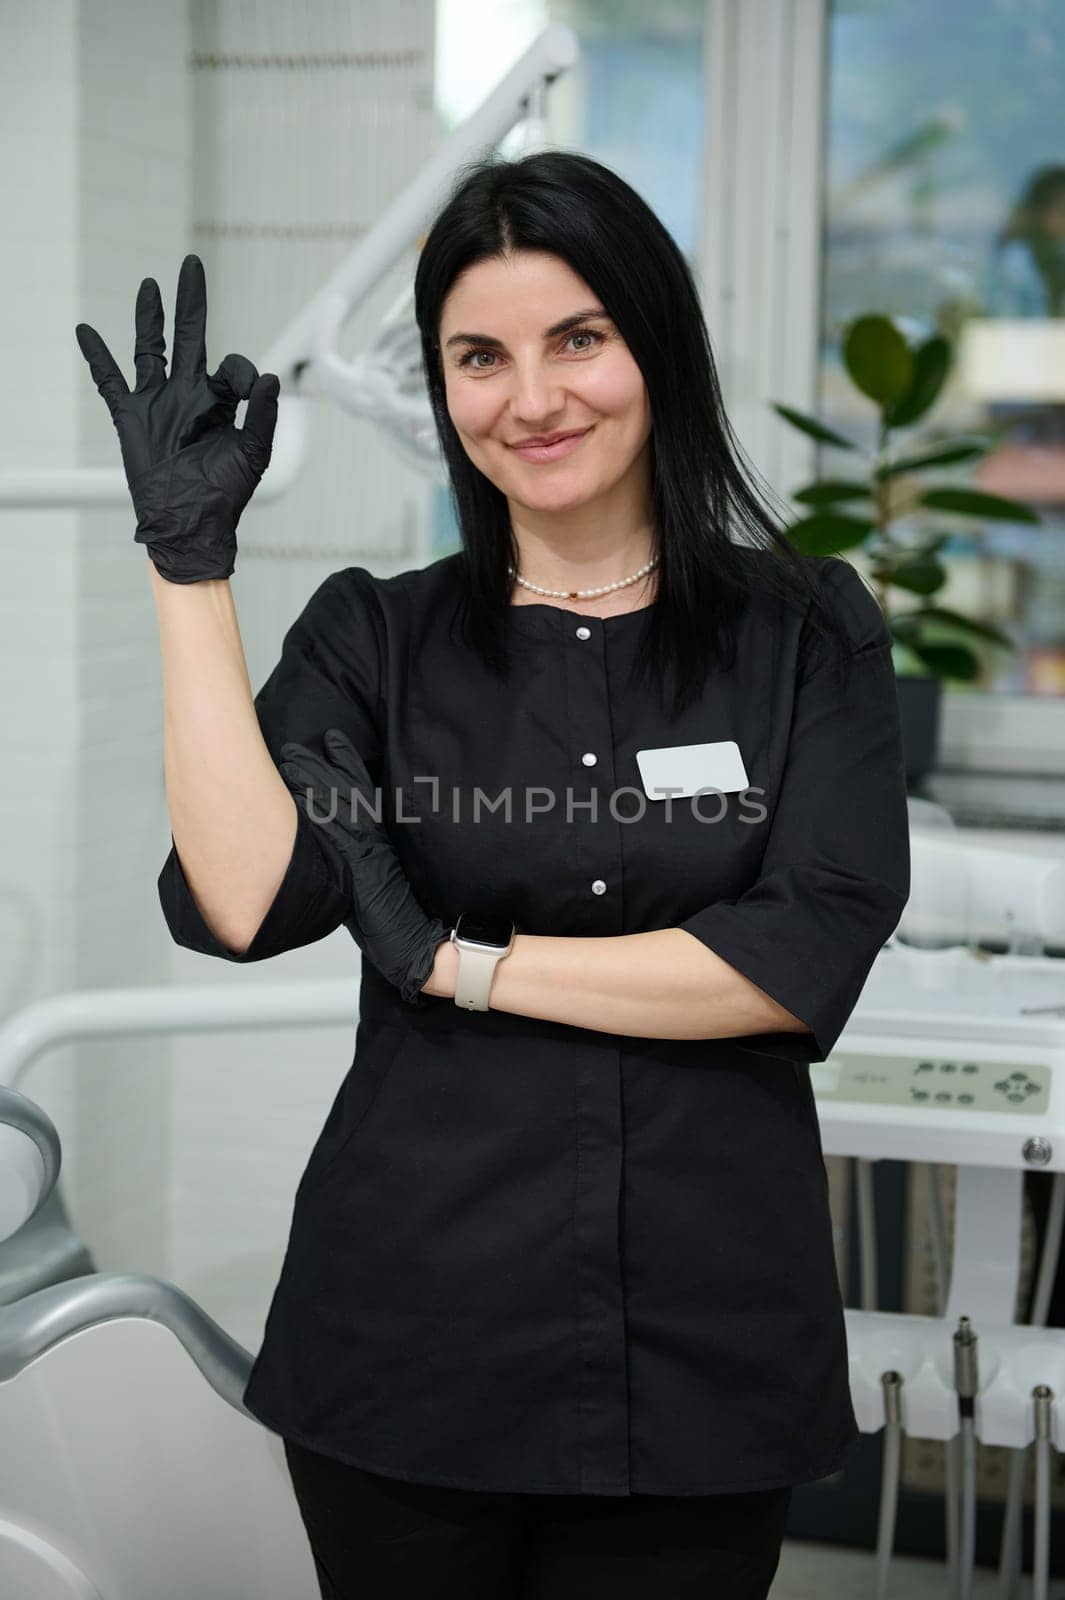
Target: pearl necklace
<point x="585" y="594"/>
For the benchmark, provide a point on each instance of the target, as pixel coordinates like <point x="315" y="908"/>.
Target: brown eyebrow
<point x="549" y="333"/>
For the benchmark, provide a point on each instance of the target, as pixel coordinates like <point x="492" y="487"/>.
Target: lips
<point x="542" y="444"/>
<point x="551" y="452"/>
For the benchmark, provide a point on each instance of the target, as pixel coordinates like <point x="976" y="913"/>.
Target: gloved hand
<point x="190" y="471"/>
<point x="391" y="927"/>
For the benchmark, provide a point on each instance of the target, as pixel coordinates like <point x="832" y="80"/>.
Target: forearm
<point x="660" y="985"/>
<point x="232" y="816"/>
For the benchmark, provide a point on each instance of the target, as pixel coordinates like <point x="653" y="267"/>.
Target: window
<point x="944" y="203"/>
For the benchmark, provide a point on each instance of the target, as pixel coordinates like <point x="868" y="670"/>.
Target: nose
<point x="537" y="397"/>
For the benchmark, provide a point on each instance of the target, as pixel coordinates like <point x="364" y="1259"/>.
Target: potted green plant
<point x="932" y="643"/>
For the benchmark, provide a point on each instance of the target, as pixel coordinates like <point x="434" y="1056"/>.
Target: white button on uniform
<point x="584" y="633"/>
<point x="589" y="758"/>
<point x="599" y="887"/>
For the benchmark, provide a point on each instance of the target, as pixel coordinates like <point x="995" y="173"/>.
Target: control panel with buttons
<point x="932" y="1082"/>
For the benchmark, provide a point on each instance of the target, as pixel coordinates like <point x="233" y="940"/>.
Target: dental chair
<point x="129" y="1468"/>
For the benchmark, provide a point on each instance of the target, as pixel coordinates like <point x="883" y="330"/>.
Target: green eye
<point x="575" y="333"/>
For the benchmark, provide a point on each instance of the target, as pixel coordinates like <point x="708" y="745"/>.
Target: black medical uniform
<point x="531" y="1256"/>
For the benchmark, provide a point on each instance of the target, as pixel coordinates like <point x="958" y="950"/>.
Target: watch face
<point x="488" y="930"/>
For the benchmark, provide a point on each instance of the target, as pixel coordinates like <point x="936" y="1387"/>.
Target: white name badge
<point x="685" y="769"/>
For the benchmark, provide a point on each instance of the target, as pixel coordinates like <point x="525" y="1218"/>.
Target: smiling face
<point x="513" y="372"/>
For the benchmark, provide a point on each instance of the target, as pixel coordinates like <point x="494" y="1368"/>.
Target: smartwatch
<point x="481" y="941"/>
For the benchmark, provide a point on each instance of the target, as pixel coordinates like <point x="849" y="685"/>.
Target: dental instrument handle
<point x="1042" y="1397"/>
<point x="966" y="1382"/>
<point x="891" y="1383"/>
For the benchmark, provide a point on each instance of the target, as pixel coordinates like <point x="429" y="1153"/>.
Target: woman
<point x="1026" y="272"/>
<point x="559" y="1310"/>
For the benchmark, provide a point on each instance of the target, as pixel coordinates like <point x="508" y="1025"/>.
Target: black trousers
<point x="379" y="1538"/>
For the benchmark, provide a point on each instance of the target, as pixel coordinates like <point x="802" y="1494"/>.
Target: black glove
<point x="390" y="926"/>
<point x="190" y="471"/>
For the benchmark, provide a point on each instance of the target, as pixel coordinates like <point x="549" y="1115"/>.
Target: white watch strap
<point x="473" y="982"/>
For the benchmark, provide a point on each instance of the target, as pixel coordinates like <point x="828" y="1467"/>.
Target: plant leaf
<point x="931" y="363"/>
<point x="948" y="660"/>
<point x="955" y="619"/>
<point x="922" y="575"/>
<point x="975" y="503"/>
<point x="831" y="490"/>
<point x="940" y="455"/>
<point x="810" y="425"/>
<point x="826" y="534"/>
<point x="878" y="359"/>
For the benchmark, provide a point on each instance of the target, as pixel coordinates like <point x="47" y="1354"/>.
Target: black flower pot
<point x="919" y="700"/>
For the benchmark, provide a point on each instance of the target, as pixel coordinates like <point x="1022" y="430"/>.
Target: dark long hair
<point x="567" y="204"/>
<point x="1025" y="222"/>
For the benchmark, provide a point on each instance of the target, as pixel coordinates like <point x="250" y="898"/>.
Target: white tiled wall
<point x="299" y="143"/>
<point x="38" y="662"/>
<point x="131" y="142"/>
<point x="265" y="138"/>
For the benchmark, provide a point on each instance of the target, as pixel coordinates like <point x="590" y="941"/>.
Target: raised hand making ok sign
<point x="190" y="471"/>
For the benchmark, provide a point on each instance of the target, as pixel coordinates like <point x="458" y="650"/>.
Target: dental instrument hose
<point x="1042" y="1398"/>
<point x="891" y="1383"/>
<point x="966" y="1384"/>
<point x="1010" y="1551"/>
<point x="938" y="1231"/>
